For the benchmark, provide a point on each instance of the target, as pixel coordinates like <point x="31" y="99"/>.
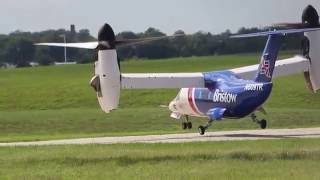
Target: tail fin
<point x="269" y="58"/>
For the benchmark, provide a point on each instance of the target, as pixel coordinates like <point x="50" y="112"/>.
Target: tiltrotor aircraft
<point x="233" y="93"/>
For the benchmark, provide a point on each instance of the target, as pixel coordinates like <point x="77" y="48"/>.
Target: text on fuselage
<point x="224" y="97"/>
<point x="254" y="87"/>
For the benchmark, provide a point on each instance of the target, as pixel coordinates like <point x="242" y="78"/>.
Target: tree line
<point x="17" y="47"/>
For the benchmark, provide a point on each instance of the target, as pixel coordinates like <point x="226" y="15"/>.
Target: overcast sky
<point x="137" y="15"/>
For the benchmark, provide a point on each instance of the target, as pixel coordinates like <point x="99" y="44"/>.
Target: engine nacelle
<point x="313" y="76"/>
<point x="106" y="81"/>
<point x="311" y="47"/>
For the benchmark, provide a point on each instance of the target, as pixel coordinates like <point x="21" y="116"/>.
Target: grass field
<point x="268" y="159"/>
<point x="57" y="102"/>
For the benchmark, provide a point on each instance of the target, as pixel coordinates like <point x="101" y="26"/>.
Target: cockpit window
<point x="177" y="98"/>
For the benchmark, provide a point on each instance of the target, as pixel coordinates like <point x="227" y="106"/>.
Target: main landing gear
<point x="186" y="124"/>
<point x="202" y="129"/>
<point x="262" y="122"/>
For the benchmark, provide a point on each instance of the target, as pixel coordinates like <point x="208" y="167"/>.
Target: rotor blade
<point x="127" y="42"/>
<point x="275" y="32"/>
<point x="119" y="43"/>
<point x="85" y="45"/>
<point x="290" y="25"/>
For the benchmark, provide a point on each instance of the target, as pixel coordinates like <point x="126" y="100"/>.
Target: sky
<point x="137" y="15"/>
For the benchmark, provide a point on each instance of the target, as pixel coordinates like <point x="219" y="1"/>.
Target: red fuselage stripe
<point x="192" y="105"/>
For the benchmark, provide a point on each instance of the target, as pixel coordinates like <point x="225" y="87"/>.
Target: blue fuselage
<point x="240" y="98"/>
<point x="224" y="93"/>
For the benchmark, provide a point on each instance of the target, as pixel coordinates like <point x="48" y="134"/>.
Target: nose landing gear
<point x="186" y="124"/>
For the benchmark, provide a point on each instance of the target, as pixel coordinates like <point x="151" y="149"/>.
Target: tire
<point x="263" y="124"/>
<point x="184" y="126"/>
<point x="189" y="124"/>
<point x="202" y="130"/>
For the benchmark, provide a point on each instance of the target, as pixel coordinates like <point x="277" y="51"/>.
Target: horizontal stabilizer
<point x="275" y="32"/>
<point x="297" y="64"/>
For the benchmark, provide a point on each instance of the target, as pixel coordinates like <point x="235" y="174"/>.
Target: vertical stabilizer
<point x="269" y="58"/>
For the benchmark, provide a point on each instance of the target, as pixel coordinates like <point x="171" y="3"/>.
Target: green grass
<point x="57" y="102"/>
<point x="75" y="123"/>
<point x="267" y="159"/>
<point x="67" y="86"/>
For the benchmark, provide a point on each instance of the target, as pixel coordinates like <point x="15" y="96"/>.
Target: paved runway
<point x="189" y="137"/>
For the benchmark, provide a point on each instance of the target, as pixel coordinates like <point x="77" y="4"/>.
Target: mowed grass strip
<point x="77" y="123"/>
<point x="265" y="159"/>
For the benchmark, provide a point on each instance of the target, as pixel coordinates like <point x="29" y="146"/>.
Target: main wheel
<point x="189" y="125"/>
<point x="202" y="130"/>
<point x="184" y="126"/>
<point x="263" y="124"/>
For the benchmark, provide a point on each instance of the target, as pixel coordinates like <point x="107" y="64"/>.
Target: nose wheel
<point x="201" y="130"/>
<point x="186" y="124"/>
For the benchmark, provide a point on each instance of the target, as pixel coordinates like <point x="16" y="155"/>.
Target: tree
<point x="127" y="51"/>
<point x="17" y="48"/>
<point x="43" y="56"/>
<point x="19" y="52"/>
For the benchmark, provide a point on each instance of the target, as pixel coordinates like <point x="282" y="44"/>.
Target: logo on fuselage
<point x="254" y="87"/>
<point x="265" y="66"/>
<point x="224" y="97"/>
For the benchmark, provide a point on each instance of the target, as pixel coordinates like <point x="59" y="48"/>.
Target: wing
<point x="297" y="64"/>
<point x="161" y="80"/>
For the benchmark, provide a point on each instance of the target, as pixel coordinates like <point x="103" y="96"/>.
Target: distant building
<point x="33" y="64"/>
<point x="64" y="63"/>
<point x="7" y="65"/>
<point x="73" y="33"/>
